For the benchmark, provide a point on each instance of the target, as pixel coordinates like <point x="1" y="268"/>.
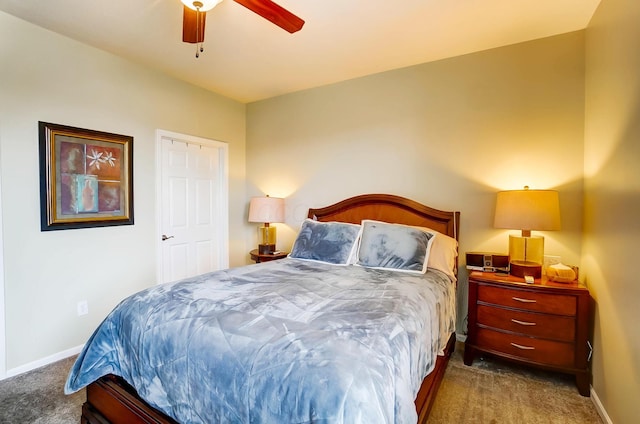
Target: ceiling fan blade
<point x="274" y="13"/>
<point x="193" y="25"/>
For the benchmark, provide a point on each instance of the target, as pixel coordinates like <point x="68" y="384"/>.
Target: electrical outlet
<point x="83" y="308"/>
<point x="551" y="260"/>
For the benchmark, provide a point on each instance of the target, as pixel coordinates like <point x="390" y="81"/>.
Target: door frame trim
<point x="223" y="192"/>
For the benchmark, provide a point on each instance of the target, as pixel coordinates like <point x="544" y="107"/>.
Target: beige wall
<point x="449" y="134"/>
<point x="47" y="77"/>
<point x="612" y="203"/>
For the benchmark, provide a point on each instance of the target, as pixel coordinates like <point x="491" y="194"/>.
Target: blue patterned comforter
<point x="286" y="341"/>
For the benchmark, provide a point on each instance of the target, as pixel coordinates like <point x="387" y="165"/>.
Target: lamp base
<point x="266" y="249"/>
<point x="522" y="268"/>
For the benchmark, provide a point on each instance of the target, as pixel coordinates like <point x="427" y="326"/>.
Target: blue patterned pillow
<point x="331" y="242"/>
<point x="394" y="246"/>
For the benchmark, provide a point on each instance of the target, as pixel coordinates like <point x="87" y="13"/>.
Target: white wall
<point x="449" y="134"/>
<point x="47" y="77"/>
<point x="612" y="203"/>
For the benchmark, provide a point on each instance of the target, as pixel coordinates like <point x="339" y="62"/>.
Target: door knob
<point x="164" y="237"/>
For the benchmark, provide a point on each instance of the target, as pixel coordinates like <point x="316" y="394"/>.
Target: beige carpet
<point x="497" y="392"/>
<point x="37" y="397"/>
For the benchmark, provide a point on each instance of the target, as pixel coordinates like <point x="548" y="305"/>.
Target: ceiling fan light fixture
<point x="201" y="5"/>
<point x="195" y="13"/>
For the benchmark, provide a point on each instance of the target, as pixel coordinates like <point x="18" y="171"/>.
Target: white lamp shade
<point x="527" y="210"/>
<point x="266" y="209"/>
<point x="206" y="4"/>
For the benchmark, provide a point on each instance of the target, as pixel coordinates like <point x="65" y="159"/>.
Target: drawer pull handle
<point x="522" y="322"/>
<point x="519" y="299"/>
<point x="522" y="347"/>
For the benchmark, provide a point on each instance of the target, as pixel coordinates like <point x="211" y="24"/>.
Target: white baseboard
<point x="461" y="337"/>
<point x="44" y="361"/>
<point x="599" y="408"/>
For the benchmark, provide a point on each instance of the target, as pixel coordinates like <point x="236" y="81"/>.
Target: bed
<point x="332" y="374"/>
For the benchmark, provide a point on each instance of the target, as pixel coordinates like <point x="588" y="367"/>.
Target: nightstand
<point x="258" y="257"/>
<point x="544" y="324"/>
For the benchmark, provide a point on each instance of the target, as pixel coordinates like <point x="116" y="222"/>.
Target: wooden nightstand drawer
<point x="544" y="324"/>
<point x="561" y="328"/>
<point x="537" y="350"/>
<point x="528" y="300"/>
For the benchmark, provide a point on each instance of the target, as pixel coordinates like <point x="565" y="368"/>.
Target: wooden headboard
<point x="389" y="208"/>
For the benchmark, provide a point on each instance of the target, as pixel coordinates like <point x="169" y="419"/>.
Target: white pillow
<point x="444" y="253"/>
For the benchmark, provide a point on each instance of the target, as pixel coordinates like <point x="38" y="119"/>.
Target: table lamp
<point x="527" y="210"/>
<point x="266" y="210"/>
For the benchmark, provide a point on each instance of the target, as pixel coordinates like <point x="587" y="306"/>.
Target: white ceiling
<point x="248" y="58"/>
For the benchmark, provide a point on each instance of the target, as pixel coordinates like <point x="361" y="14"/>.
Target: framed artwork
<point x="86" y="178"/>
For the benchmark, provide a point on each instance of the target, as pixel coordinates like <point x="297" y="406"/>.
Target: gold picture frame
<point x="86" y="178"/>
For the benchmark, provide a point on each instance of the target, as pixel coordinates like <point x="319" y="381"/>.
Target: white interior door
<point x="193" y="232"/>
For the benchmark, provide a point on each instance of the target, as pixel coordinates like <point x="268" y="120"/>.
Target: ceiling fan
<point x="195" y="13"/>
